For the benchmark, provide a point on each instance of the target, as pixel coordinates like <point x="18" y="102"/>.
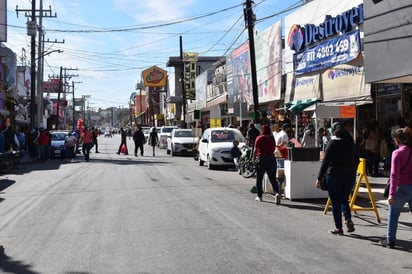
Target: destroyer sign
<point x="339" y="50"/>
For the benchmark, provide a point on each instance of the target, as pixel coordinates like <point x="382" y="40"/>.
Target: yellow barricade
<point x="361" y="171"/>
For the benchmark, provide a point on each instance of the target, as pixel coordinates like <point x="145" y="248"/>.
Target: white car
<point x="216" y="144"/>
<point x="181" y="141"/>
<point x="163" y="134"/>
<point x="146" y="133"/>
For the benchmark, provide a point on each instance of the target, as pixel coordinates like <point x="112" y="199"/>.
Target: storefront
<point x="323" y="58"/>
<point x="388" y="61"/>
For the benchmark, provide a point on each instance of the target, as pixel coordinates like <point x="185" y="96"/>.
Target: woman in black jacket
<point x="339" y="168"/>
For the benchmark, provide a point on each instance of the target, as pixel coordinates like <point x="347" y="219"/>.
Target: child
<point x="235" y="152"/>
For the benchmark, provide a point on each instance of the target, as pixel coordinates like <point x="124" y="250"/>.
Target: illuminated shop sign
<point x="301" y="37"/>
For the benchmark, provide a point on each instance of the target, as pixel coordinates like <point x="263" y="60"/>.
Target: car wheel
<point x="209" y="166"/>
<point x="167" y="151"/>
<point x="201" y="162"/>
<point x="173" y="151"/>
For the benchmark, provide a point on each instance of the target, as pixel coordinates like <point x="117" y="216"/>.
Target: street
<point x="164" y="214"/>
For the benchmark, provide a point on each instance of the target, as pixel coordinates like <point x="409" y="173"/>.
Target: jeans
<point x="339" y="188"/>
<point x="403" y="195"/>
<point x="269" y="163"/>
<point x="86" y="150"/>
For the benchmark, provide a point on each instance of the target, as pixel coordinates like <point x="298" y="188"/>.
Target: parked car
<point x="57" y="148"/>
<point x="163" y="134"/>
<point x="146" y="133"/>
<point x="181" y="141"/>
<point x="215" y="146"/>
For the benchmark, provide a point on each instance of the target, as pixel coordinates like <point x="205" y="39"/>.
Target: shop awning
<point x="300" y="105"/>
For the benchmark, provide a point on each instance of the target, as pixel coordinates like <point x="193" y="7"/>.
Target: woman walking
<point x="265" y="146"/>
<point x="400" y="190"/>
<point x="153" y="139"/>
<point x="339" y="167"/>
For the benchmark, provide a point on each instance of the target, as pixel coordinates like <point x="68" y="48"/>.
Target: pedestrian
<point x="153" y="139"/>
<point x="70" y="144"/>
<point x="87" y="140"/>
<point x="138" y="138"/>
<point x="251" y="135"/>
<point x="235" y="152"/>
<point x="308" y="139"/>
<point x="400" y="190"/>
<point x="265" y="146"/>
<point x="95" y="134"/>
<point x="339" y="167"/>
<point x="123" y="142"/>
<point x="282" y="141"/>
<point x="42" y="142"/>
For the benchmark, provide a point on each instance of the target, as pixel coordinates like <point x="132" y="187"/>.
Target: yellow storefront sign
<point x="154" y="77"/>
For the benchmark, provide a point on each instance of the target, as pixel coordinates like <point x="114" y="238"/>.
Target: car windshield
<point x="226" y="136"/>
<point x="185" y="133"/>
<point x="59" y="136"/>
<point x="146" y="130"/>
<point x="167" y="129"/>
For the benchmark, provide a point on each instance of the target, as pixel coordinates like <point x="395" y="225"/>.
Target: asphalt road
<point x="164" y="214"/>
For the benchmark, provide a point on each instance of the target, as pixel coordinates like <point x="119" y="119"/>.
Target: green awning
<point x="300" y="105"/>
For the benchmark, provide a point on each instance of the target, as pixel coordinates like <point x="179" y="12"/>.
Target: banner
<point x="239" y="84"/>
<point x="336" y="51"/>
<point x="268" y="48"/>
<point x="201" y="90"/>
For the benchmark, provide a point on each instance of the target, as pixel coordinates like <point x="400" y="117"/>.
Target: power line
<point x="126" y="29"/>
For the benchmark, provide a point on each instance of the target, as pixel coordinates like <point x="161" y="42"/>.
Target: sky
<point x="107" y="43"/>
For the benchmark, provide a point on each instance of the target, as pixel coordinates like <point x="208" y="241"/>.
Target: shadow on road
<point x="5" y="183"/>
<point x="7" y="264"/>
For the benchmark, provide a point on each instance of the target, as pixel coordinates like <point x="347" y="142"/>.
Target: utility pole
<point x="31" y="31"/>
<point x="182" y="80"/>
<point x="250" y="21"/>
<point x="74" y="105"/>
<point x="40" y="70"/>
<point x="35" y="107"/>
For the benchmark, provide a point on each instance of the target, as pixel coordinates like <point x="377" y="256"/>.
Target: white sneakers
<point x="278" y="198"/>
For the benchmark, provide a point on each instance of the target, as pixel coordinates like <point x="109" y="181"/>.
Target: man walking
<point x="138" y="138"/>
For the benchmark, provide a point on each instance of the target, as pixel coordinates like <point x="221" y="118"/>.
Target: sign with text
<point x="154" y="77"/>
<point x="336" y="51"/>
<point x="190" y="80"/>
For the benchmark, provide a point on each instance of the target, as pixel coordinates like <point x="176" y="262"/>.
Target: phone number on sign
<point x="327" y="51"/>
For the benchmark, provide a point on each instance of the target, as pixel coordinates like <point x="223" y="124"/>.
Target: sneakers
<point x="258" y="199"/>
<point x="385" y="243"/>
<point x="350" y="226"/>
<point x="336" y="231"/>
<point x="277" y="198"/>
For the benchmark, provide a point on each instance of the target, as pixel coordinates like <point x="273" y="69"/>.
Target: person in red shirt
<point x="265" y="146"/>
<point x="42" y="142"/>
<point x="87" y="139"/>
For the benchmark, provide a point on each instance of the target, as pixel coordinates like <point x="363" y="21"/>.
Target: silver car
<point x="182" y="141"/>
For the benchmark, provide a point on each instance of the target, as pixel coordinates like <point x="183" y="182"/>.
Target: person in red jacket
<point x="42" y="142"/>
<point x="87" y="139"/>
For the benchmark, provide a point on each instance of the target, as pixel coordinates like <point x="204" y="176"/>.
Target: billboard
<point x="269" y="62"/>
<point x="239" y="84"/>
